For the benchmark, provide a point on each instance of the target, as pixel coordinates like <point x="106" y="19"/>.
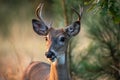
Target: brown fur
<point x="37" y="71"/>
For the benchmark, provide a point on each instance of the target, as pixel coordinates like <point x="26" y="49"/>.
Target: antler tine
<point x="39" y="11"/>
<point x="81" y="10"/>
<point x="79" y="14"/>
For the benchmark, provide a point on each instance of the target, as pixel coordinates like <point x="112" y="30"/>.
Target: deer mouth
<point x="53" y="59"/>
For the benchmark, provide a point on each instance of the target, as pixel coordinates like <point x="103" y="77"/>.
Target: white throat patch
<point x="61" y="59"/>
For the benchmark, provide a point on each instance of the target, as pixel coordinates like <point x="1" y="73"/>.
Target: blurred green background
<point x="93" y="55"/>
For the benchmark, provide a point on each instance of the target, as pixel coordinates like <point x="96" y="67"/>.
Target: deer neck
<point x="59" y="69"/>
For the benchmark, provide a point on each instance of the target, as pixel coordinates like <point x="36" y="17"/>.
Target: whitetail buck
<point x="57" y="43"/>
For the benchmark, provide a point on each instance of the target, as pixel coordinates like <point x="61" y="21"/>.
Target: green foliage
<point x="111" y="7"/>
<point x="104" y="29"/>
<point x="106" y="7"/>
<point x="89" y="64"/>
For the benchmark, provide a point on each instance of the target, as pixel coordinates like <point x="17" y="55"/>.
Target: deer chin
<point x="52" y="59"/>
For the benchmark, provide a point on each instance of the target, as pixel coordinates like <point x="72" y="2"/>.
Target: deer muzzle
<point x="50" y="55"/>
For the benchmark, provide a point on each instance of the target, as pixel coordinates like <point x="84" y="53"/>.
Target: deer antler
<point x="39" y="11"/>
<point x="78" y="13"/>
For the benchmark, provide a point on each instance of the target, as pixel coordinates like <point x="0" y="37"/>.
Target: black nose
<point x="49" y="54"/>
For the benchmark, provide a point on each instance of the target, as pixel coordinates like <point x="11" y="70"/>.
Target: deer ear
<point x="73" y="29"/>
<point x="39" y="27"/>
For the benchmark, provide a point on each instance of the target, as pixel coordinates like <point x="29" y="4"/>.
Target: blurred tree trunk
<point x="66" y="18"/>
<point x="65" y="12"/>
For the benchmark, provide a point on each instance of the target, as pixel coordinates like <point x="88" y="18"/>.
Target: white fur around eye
<point x="61" y="40"/>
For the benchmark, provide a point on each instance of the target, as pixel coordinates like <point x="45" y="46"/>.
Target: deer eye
<point x="62" y="39"/>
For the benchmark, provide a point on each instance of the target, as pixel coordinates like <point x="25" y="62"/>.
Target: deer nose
<point x="49" y="54"/>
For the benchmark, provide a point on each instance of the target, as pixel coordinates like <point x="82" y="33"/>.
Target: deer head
<point x="57" y="39"/>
